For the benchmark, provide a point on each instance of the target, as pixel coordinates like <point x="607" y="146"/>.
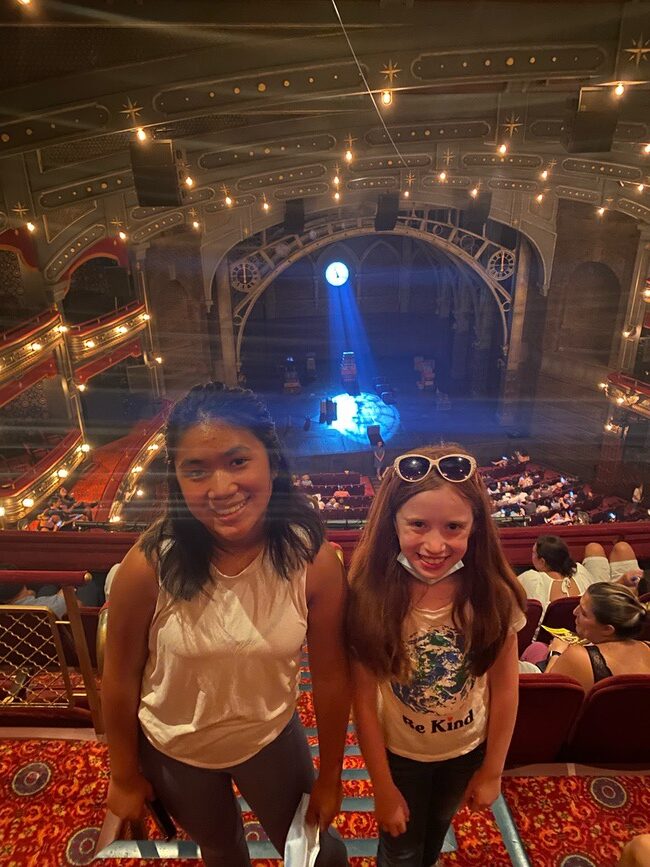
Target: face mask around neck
<point x="401" y="559"/>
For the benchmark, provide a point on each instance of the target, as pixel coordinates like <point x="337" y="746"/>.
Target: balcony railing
<point x="100" y="335"/>
<point x="629" y="393"/>
<point x="25" y="346"/>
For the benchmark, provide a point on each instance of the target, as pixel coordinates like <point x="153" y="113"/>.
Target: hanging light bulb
<point x="503" y="149"/>
<point x="619" y="90"/>
<point x="141" y="134"/>
<point x="386" y="97"/>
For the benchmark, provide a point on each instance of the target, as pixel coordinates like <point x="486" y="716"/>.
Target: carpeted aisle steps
<point x="52" y="806"/>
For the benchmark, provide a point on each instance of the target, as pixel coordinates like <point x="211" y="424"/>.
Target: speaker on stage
<point x="157" y="173"/>
<point x="387" y="209"/>
<point x="374" y="436"/>
<point x="294" y="216"/>
<point x="590" y="124"/>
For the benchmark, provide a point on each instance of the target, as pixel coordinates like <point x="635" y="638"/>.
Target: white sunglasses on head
<point x="453" y="468"/>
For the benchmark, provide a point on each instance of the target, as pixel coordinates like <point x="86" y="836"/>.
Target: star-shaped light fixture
<point x="132" y="110"/>
<point x="512" y="124"/>
<point x="639" y="51"/>
<point x="391" y="71"/>
<point x="20" y="210"/>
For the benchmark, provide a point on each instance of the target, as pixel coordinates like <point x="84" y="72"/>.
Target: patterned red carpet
<point x="52" y="806"/>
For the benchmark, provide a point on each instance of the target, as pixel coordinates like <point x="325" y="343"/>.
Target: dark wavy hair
<point x="488" y="593"/>
<point x="294" y="532"/>
<point x="554" y="550"/>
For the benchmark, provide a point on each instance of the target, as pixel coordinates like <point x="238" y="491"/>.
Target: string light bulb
<point x="85" y="448"/>
<point x="89" y="344"/>
<point x="158" y="359"/>
<point x="139" y="493"/>
<point x="503" y="148"/>
<point x="619" y="90"/>
<point x="146" y="317"/>
<point x="36" y="346"/>
<point x="336" y="179"/>
<point x="387" y="97"/>
<point x="141" y="134"/>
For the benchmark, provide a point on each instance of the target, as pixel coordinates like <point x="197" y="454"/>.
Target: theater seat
<point x="533" y="615"/>
<point x="612" y="728"/>
<point x="559" y="615"/>
<point x="548" y="707"/>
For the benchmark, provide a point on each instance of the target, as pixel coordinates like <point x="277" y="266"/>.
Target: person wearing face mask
<point x="431" y="622"/>
<point x="612" y="619"/>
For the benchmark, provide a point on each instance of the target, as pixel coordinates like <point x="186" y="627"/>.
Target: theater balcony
<point x="628" y="393"/>
<point x="27" y="353"/>
<point x="24" y="494"/>
<point x="111" y="334"/>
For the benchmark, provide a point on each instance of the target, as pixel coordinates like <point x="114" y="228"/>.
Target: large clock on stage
<point x="336" y="273"/>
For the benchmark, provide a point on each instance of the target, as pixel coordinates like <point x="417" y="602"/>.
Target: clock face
<point x="501" y="265"/>
<point x="244" y="275"/>
<point x="336" y="273"/>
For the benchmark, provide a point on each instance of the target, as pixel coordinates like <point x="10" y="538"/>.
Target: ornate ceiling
<point x="265" y="98"/>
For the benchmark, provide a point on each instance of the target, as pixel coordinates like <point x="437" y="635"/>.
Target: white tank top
<point x="222" y="677"/>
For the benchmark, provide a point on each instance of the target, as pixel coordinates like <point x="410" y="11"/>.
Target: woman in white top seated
<point x="556" y="574"/>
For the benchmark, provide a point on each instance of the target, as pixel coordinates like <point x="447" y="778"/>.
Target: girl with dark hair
<point x="556" y="573"/>
<point x="208" y="615"/>
<point x="433" y="611"/>
<point x="612" y="619"/>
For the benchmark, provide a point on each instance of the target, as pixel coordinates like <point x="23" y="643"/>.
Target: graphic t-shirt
<point x="442" y="711"/>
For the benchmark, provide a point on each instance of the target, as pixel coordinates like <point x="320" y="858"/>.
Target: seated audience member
<point x="305" y="481"/>
<point x="561" y="517"/>
<point x="20" y="594"/>
<point x="556" y="574"/>
<point x="611" y="618"/>
<point x="525" y="481"/>
<point x="636" y="853"/>
<point x="501" y="462"/>
<point x="333" y="503"/>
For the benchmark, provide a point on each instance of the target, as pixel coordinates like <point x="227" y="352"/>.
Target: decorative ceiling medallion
<point x="449" y="157"/>
<point x="61" y="219"/>
<point x="132" y="110"/>
<point x="433" y="182"/>
<point x="601" y="169"/>
<point x="89" y="189"/>
<point x="256" y="182"/>
<point x="519" y="62"/>
<point x="155" y="227"/>
<point x="236" y="90"/>
<point x="300" y="190"/>
<point x="390" y="71"/>
<point x="66" y="256"/>
<point x="380" y="164"/>
<point x="522" y="161"/>
<point x="520" y="186"/>
<point x="546" y="128"/>
<point x="634" y="208"/>
<point x="283" y="148"/>
<point x="220" y="205"/>
<point x="34" y="131"/>
<point x="429" y="132"/>
<point x="512" y="124"/>
<point x="639" y="51"/>
<point x="20" y="210"/>
<point x="373" y="183"/>
<point x="564" y="192"/>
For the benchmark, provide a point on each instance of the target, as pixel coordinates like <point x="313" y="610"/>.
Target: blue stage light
<point x="355" y="414"/>
<point x="337" y="273"/>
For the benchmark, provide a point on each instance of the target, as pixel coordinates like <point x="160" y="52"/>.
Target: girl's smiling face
<point x="433" y="529"/>
<point x="225" y="477"/>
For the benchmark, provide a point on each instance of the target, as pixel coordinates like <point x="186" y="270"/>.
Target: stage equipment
<point x="374" y="435"/>
<point x="294" y="216"/>
<point x="387" y="210"/>
<point x="337" y="273"/>
<point x="590" y="123"/>
<point x="158" y="171"/>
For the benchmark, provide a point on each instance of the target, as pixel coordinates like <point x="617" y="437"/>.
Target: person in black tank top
<point x="607" y="615"/>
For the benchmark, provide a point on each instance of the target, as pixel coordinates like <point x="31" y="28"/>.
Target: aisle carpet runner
<point x="52" y="806"/>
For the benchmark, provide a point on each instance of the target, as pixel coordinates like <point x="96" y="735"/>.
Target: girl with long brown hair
<point x="433" y="612"/>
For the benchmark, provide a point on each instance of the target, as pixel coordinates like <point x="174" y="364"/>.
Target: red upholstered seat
<point x="612" y="728"/>
<point x="533" y="615"/>
<point x="548" y="707"/>
<point x="559" y="615"/>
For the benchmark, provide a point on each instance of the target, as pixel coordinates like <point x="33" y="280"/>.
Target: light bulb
<point x="619" y="90"/>
<point x="146" y="317"/>
<point x="337" y="180"/>
<point x="121" y="329"/>
<point x="62" y="473"/>
<point x="115" y="519"/>
<point x="28" y="502"/>
<point x="337" y="196"/>
<point x="544" y="174"/>
<point x="503" y="149"/>
<point x="89" y="344"/>
<point x="81" y="387"/>
<point x="122" y="236"/>
<point x="600" y="211"/>
<point x="36" y="346"/>
<point x="602" y="385"/>
<point x="474" y="192"/>
<point x="265" y="206"/>
<point x="442" y="177"/>
<point x="85" y="448"/>
<point x="646" y="294"/>
<point x="62" y="329"/>
<point x="30" y="227"/>
<point x="609" y="426"/>
<point x="620" y="400"/>
<point x="641" y="188"/>
<point x="141" y="134"/>
<point x="539" y="198"/>
<point x="25" y="2"/>
<point x="2" y="511"/>
<point x="196" y="224"/>
<point x="189" y="182"/>
<point x="158" y="359"/>
<point x="386" y="97"/>
<point x="137" y="469"/>
<point x="153" y="447"/>
<point x="139" y="493"/>
<point x="646" y="149"/>
<point x="348" y="156"/>
<point x="406" y="194"/>
<point x="228" y="201"/>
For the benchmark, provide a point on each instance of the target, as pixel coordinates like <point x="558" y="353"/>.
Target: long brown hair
<point x="380" y="588"/>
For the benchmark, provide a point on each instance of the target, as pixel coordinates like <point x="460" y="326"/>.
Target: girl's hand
<point x="324" y="802"/>
<point x="391" y="810"/>
<point x="126" y="797"/>
<point x="482" y="790"/>
<point x="558" y="645"/>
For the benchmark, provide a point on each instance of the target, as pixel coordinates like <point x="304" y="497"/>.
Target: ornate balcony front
<point x="628" y="393"/>
<point x="97" y="337"/>
<point x="28" y="348"/>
